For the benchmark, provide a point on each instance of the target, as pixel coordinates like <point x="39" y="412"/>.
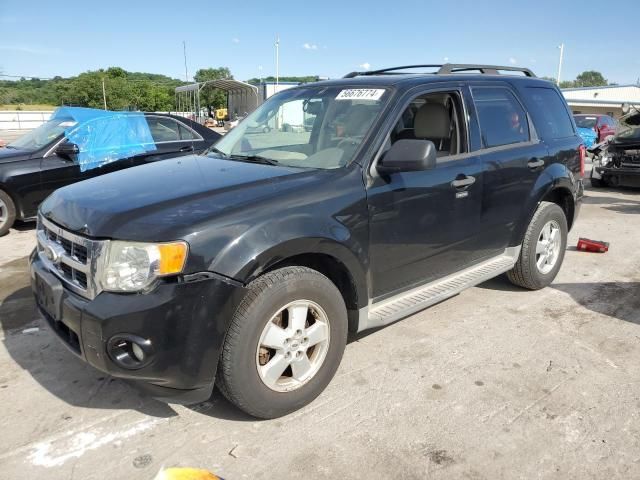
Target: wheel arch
<point x="332" y="259"/>
<point x="557" y="185"/>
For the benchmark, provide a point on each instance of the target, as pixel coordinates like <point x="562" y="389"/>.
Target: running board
<point x="387" y="311"/>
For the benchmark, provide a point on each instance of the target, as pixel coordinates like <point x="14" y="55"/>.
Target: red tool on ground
<point x="597" y="246"/>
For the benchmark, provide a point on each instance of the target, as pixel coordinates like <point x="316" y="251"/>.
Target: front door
<point x="423" y="224"/>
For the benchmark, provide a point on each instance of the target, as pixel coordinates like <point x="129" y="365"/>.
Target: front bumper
<point x="184" y="321"/>
<point x="625" y="177"/>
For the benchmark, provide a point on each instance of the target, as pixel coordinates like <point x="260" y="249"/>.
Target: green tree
<point x="591" y="78"/>
<point x="212" y="98"/>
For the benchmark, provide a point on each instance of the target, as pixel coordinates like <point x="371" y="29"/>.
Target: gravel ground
<point x="495" y="383"/>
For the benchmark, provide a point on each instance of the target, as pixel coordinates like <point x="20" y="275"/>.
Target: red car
<point x="603" y="125"/>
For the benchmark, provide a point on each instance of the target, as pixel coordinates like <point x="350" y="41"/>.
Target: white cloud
<point x="235" y="40"/>
<point x="512" y="61"/>
<point x="310" y="46"/>
<point x="31" y="50"/>
<point x="365" y="66"/>
<point x="446" y="59"/>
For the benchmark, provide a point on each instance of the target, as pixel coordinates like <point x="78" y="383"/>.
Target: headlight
<point x="131" y="266"/>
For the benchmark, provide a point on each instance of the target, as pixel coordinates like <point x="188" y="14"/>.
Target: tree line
<point x="123" y="90"/>
<point x="589" y="78"/>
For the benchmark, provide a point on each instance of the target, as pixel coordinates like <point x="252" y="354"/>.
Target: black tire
<point x="525" y="273"/>
<point x="10" y="214"/>
<point x="238" y="377"/>
<point x="597" y="183"/>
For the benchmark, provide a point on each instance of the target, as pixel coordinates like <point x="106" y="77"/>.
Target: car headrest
<point x="432" y="122"/>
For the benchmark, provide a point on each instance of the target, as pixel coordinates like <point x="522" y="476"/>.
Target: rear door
<point x="512" y="158"/>
<point x="172" y="138"/>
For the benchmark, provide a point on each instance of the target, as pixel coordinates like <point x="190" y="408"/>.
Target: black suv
<point x="367" y="199"/>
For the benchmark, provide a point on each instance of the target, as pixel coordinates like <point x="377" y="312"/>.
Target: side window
<point x="164" y="129"/>
<point x="503" y="121"/>
<point x="436" y="117"/>
<point x="550" y="114"/>
<point x="187" y="133"/>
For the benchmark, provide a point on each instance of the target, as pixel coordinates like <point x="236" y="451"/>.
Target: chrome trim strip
<point x="407" y="303"/>
<point x="92" y="269"/>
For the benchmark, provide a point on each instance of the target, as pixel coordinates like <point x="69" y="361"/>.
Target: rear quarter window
<point x="549" y="112"/>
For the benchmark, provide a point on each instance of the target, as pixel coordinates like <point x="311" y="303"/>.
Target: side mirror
<point x="408" y="156"/>
<point x="67" y="150"/>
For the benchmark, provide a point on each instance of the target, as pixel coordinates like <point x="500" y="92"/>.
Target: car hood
<point x="628" y="131"/>
<point x="13" y="155"/>
<point x="166" y="200"/>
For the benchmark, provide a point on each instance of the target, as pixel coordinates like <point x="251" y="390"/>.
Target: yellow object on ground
<point x="186" y="474"/>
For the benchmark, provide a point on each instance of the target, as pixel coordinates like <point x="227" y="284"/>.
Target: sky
<point x="328" y="38"/>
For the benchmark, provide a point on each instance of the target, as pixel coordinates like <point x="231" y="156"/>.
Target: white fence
<point x="25" y="120"/>
<point x="22" y="120"/>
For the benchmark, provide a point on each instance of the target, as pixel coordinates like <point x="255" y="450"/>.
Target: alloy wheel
<point x="293" y="346"/>
<point x="548" y="247"/>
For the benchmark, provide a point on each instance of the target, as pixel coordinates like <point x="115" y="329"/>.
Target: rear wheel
<point x="543" y="248"/>
<point x="284" y="344"/>
<point x="7" y="213"/>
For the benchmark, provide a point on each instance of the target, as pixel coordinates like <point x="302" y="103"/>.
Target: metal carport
<point x="242" y="97"/>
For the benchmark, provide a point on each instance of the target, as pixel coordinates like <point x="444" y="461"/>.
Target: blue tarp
<point x="103" y="136"/>
<point x="588" y="136"/>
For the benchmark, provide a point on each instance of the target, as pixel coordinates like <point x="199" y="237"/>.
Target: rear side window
<point x="185" y="133"/>
<point x="550" y="113"/>
<point x="163" y="129"/>
<point x="503" y="121"/>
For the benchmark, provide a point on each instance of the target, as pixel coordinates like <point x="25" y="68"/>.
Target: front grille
<point x="71" y="257"/>
<point x="74" y="250"/>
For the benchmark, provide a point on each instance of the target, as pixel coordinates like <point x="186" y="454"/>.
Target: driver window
<point x="436" y="117"/>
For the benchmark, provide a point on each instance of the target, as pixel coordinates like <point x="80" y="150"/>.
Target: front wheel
<point x="7" y="213"/>
<point x="284" y="343"/>
<point x="543" y="248"/>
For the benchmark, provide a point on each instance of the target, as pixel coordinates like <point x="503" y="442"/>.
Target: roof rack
<point x="448" y="69"/>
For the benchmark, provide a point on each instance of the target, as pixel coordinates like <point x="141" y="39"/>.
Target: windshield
<point x="312" y="127"/>
<point x="43" y="135"/>
<point x="585" y="122"/>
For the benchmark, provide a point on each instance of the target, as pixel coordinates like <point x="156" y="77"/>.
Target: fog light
<point x="130" y="351"/>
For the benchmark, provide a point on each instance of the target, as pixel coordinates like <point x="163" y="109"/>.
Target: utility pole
<point x="277" y="61"/>
<point x="184" y="50"/>
<point x="561" y="47"/>
<point x="104" y="95"/>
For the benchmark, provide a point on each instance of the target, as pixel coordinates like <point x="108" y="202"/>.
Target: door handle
<point x="533" y="164"/>
<point x="463" y="181"/>
<point x="187" y="149"/>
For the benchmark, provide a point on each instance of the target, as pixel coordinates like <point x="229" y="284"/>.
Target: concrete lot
<point x="495" y="383"/>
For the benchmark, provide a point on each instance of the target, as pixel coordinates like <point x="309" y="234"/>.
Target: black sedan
<point x="44" y="159"/>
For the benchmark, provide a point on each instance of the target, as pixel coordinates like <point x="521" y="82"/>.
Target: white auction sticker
<point x="361" y="94"/>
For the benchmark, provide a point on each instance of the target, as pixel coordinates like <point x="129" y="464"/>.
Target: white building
<point x="604" y="100"/>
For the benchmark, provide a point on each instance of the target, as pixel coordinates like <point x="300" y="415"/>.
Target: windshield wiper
<point x="255" y="159"/>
